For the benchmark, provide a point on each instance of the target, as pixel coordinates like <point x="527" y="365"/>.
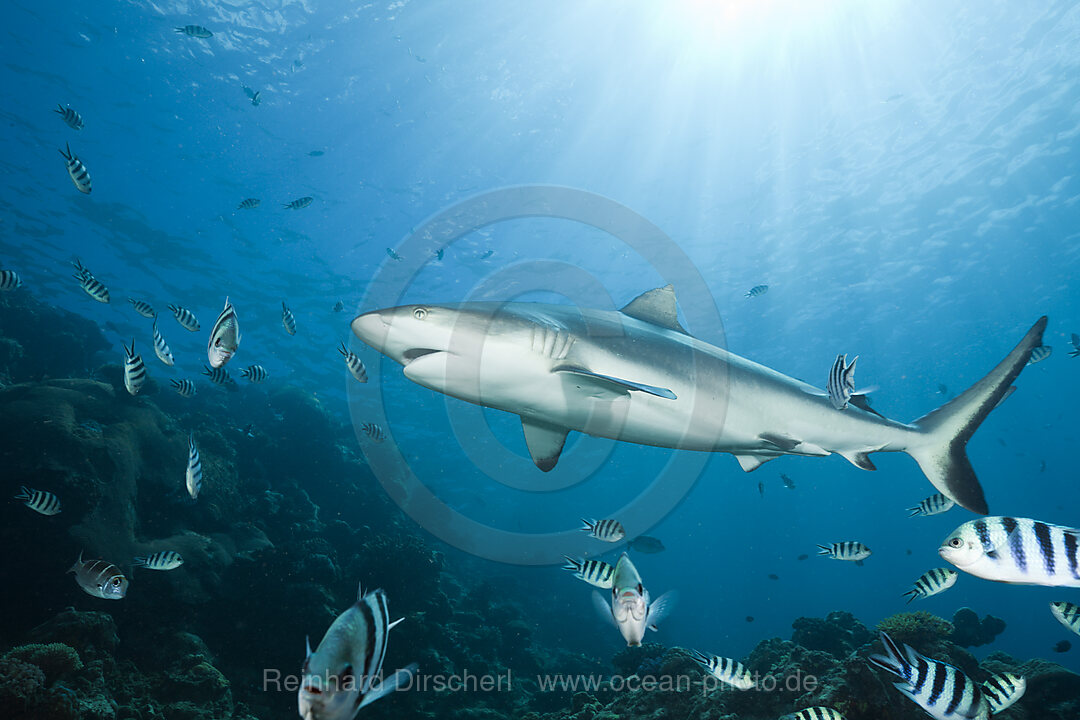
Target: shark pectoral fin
<point x="859" y="460"/>
<point x="656" y="307"/>
<point x="545" y="442"/>
<point x="620" y="384"/>
<point x="753" y="462"/>
<point x="603" y="608"/>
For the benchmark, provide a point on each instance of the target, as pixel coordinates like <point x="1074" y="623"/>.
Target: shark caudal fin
<point x="942" y="456"/>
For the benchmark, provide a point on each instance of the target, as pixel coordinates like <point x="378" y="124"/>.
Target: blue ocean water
<point x="902" y="176"/>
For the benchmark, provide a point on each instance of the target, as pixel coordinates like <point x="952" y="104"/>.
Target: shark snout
<point x="372" y="329"/>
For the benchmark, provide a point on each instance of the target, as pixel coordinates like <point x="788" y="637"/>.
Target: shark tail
<point x="942" y="456"/>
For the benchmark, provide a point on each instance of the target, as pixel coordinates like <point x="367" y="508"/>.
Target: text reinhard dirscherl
<point x="465" y="681"/>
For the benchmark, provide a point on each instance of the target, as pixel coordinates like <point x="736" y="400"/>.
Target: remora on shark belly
<point x="636" y="375"/>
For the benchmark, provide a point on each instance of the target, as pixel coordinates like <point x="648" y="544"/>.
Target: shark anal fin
<point x="656" y="307"/>
<point x="545" y="442"/>
<point x="619" y="383"/>
<point x="753" y="462"/>
<point x="859" y="460"/>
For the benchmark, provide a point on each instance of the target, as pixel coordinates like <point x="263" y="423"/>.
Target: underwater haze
<point x="897" y="181"/>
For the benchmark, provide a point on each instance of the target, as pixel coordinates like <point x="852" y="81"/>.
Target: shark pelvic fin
<point x="545" y="442"/>
<point x="657" y="307"/>
<point x="753" y="462"/>
<point x="620" y="385"/>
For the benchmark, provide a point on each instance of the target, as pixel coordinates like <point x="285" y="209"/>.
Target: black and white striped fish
<point x="143" y="308"/>
<point x="224" y="337"/>
<point x="193" y="478"/>
<point x="933" y="505"/>
<point x="374" y="432"/>
<point x="932" y="582"/>
<point x="9" y="280"/>
<point x="594" y="572"/>
<point x="99" y="578"/>
<point x="815" y="713"/>
<point x="73" y="119"/>
<point x="195" y="31"/>
<point x="185" y="387"/>
<point x="161" y="348"/>
<point x="299" y="203"/>
<point x="725" y="670"/>
<point x="344" y="674"/>
<point x="255" y="373"/>
<point x="39" y="500"/>
<point x="606" y="530"/>
<point x="1067" y="614"/>
<point x="757" y="290"/>
<point x="848" y="550"/>
<point x="249" y="204"/>
<point x="78" y="172"/>
<point x="134" y="370"/>
<point x="940" y="689"/>
<point x="218" y="376"/>
<point x="287" y="319"/>
<point x="1016" y="550"/>
<point x="1003" y="690"/>
<point x="185" y="317"/>
<point x="90" y="284"/>
<point x="354" y="363"/>
<point x="1075" y="352"/>
<point x="1040" y="353"/>
<point x="163" y="560"/>
<point x="841" y="382"/>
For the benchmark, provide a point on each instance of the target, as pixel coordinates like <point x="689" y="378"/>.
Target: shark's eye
<point x="956" y="542"/>
<point x="419" y="313"/>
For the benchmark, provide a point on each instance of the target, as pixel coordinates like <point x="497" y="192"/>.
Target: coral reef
<point x="970" y="631"/>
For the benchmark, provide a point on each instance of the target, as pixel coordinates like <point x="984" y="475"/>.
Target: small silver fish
<point x="224" y="337"/>
<point x="1040" y="353"/>
<point x="725" y="670"/>
<point x="610" y="531"/>
<point x="185" y="317"/>
<point x="73" y="119"/>
<point x="134" y="370"/>
<point x="193" y="477"/>
<point x="923" y="679"/>
<point x="630" y="607"/>
<point x="184" y="388"/>
<point x="254" y="95"/>
<point x="99" y="578"/>
<point x="143" y="308"/>
<point x="90" y="284"/>
<point x="9" y="280"/>
<point x="788" y="482"/>
<point x="932" y="582"/>
<point x="1003" y="690"/>
<point x="195" y="31"/>
<point x="1015" y="550"/>
<point x="287" y="319"/>
<point x="1067" y="613"/>
<point x="39" y="500"/>
<point x="255" y="373"/>
<point x="249" y="204"/>
<point x="218" y="376"/>
<point x="849" y="550"/>
<point x="161" y="348"/>
<point x="646" y="544"/>
<point x="163" y="560"/>
<point x="594" y="572"/>
<point x="933" y="505"/>
<point x="78" y="172"/>
<point x="393" y="255"/>
<point x="757" y="290"/>
<point x="354" y="363"/>
<point x="299" y="203"/>
<point x="1075" y="340"/>
<point x="339" y="306"/>
<point x="374" y="432"/>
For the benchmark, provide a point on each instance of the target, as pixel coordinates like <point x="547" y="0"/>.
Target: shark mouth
<point x="413" y="353"/>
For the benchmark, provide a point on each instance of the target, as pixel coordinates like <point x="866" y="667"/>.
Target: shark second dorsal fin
<point x="657" y="307"/>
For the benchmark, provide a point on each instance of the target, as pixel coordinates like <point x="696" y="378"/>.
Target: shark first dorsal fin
<point x="657" y="307"/>
<point x="545" y="442"/>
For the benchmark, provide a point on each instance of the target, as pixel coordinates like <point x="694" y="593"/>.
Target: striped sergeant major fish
<point x="630" y="609"/>
<point x="932" y="582"/>
<point x="850" y="550"/>
<point x="841" y="383"/>
<point x="193" y="478"/>
<point x="249" y="204"/>
<point x="725" y="670"/>
<point x="255" y="373"/>
<point x="219" y="376"/>
<point x="299" y="203"/>
<point x="344" y="673"/>
<point x="195" y="31"/>
<point x="143" y="308"/>
<point x="78" y="172"/>
<point x="374" y="432"/>
<point x="99" y="578"/>
<point x="39" y="500"/>
<point x="933" y="505"/>
<point x="393" y="255"/>
<point x="1066" y="613"/>
<point x="354" y="363"/>
<point x="9" y="280"/>
<point x="1016" y="550"/>
<point x="594" y="572"/>
<point x="184" y="388"/>
<point x="185" y="317"/>
<point x="605" y="530"/>
<point x="1040" y="353"/>
<point x="73" y="119"/>
<point x="940" y="689"/>
<point x="287" y="319"/>
<point x="163" y="560"/>
<point x="224" y="337"/>
<point x="134" y="370"/>
<point x="161" y="348"/>
<point x="815" y="713"/>
<point x="757" y="290"/>
<point x="1075" y="352"/>
<point x="1002" y="691"/>
<point x="90" y="284"/>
